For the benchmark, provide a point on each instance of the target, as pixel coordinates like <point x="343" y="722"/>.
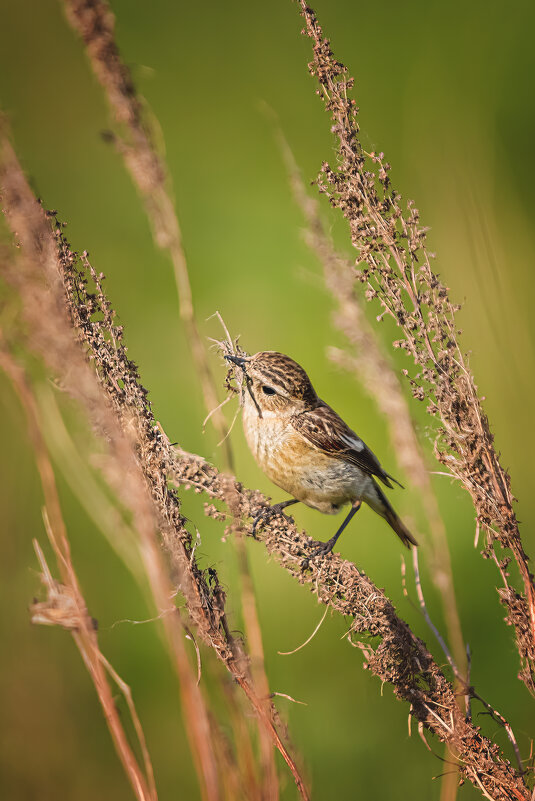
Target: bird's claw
<point x="267" y="512"/>
<point x="322" y="549"/>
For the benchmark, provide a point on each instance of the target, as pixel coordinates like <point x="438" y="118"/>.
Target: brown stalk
<point x="463" y="681"/>
<point x="65" y="605"/>
<point x="270" y="784"/>
<point x="39" y="282"/>
<point x="61" y="292"/>
<point x="372" y="368"/>
<point x="400" y="659"/>
<point x="94" y="21"/>
<point x="394" y="264"/>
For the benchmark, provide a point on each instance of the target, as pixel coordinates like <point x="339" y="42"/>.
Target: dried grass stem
<point x="394" y="266"/>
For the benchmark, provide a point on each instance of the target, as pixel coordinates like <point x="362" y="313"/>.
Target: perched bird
<point x="306" y="449"/>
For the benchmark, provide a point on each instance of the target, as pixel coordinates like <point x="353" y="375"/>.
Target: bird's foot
<point x="322" y="549"/>
<point x="271" y="511"/>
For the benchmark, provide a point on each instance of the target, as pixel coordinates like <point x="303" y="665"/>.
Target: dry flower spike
<point x="395" y="267"/>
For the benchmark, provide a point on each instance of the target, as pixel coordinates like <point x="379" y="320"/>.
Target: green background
<point x="446" y="91"/>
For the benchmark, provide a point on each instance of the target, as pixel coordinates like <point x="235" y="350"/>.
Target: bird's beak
<point x="239" y="360"/>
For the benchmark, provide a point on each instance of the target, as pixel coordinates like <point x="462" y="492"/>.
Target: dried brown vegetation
<point x="401" y="658"/>
<point x="61" y="296"/>
<point x="65" y="605"/>
<point x="372" y="368"/>
<point x="95" y="23"/>
<point x="135" y="141"/>
<point x="394" y="266"/>
<point x="367" y="360"/>
<point x="69" y="321"/>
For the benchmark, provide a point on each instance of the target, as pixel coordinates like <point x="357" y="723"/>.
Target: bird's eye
<point x="268" y="390"/>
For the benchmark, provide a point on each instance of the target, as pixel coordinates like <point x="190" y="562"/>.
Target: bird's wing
<point x="324" y="429"/>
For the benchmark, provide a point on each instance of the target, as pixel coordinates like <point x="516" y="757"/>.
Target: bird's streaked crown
<point x="281" y="373"/>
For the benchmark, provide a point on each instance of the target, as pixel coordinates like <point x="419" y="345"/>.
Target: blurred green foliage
<point x="446" y="93"/>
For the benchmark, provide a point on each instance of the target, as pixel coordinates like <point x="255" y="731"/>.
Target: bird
<point x="306" y="449"/>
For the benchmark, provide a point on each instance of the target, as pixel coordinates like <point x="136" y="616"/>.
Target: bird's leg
<point x="326" y="547"/>
<point x="272" y="511"/>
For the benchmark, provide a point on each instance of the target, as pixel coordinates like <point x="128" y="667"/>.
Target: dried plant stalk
<point x="400" y="659"/>
<point x="373" y="370"/>
<point x="61" y="290"/>
<point x="375" y="373"/>
<point x="394" y="265"/>
<point x="65" y="605"/>
<point x="39" y="280"/>
<point x="94" y="21"/>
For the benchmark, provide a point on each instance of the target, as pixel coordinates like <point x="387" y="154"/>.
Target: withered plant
<point x="394" y="267"/>
<point x="52" y="278"/>
<point x="82" y="345"/>
<point x="400" y="659"/>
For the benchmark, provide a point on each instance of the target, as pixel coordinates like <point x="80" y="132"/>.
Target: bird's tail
<point x="382" y="506"/>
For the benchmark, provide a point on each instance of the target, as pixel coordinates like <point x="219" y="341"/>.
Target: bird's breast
<point x="270" y="440"/>
<point x="297" y="466"/>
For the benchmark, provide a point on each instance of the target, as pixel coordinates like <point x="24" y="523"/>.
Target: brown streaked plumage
<point x="305" y="448"/>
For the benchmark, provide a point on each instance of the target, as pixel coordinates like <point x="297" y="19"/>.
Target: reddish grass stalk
<point x="58" y="296"/>
<point x="94" y="21"/>
<point x="270" y="784"/>
<point x="39" y="282"/>
<point x="66" y="606"/>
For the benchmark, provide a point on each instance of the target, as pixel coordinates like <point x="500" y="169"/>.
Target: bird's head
<point x="275" y="383"/>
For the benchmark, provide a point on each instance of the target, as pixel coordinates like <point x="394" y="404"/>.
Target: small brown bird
<point x="305" y="448"/>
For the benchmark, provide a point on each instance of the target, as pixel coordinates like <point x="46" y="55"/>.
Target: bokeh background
<point x="446" y="91"/>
